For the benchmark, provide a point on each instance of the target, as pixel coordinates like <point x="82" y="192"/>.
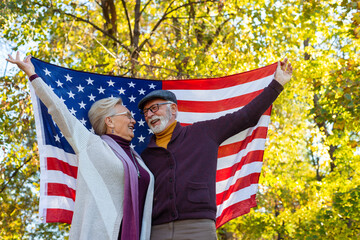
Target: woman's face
<point x="123" y="125"/>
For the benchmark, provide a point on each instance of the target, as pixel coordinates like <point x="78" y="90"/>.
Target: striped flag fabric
<point x="239" y="158"/>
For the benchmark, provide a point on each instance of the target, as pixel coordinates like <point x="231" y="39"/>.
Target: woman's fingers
<point x="17" y="59"/>
<point x="10" y="59"/>
<point x="27" y="59"/>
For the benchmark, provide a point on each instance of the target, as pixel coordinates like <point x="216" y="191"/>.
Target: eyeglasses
<point x="127" y="114"/>
<point x="153" y="108"/>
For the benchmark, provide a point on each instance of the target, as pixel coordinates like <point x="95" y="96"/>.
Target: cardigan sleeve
<point x="230" y="124"/>
<point x="73" y="130"/>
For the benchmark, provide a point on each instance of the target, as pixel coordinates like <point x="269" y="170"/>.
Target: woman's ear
<point x="109" y="123"/>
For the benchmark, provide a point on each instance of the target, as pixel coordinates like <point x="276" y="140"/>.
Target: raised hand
<point x="283" y="72"/>
<point x="25" y="65"/>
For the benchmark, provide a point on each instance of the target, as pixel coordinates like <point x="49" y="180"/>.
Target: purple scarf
<point x="130" y="222"/>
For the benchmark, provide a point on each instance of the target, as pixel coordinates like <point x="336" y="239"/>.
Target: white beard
<point x="164" y="120"/>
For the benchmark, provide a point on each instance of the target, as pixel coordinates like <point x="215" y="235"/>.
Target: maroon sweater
<point x="185" y="172"/>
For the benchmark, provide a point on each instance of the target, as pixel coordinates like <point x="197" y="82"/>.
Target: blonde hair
<point x="100" y="110"/>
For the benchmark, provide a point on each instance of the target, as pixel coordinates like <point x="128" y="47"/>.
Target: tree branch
<point x="94" y="26"/>
<point x="217" y="32"/>
<point x="164" y="17"/>
<point x="4" y="185"/>
<point x="137" y="24"/>
<point x="146" y="4"/>
<point x="128" y="20"/>
<point x="105" y="48"/>
<point x="110" y="16"/>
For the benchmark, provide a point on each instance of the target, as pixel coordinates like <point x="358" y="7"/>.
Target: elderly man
<point x="184" y="159"/>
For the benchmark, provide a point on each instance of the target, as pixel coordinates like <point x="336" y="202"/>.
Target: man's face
<point x="161" y="116"/>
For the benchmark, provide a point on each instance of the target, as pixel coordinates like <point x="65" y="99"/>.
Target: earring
<point x="112" y="131"/>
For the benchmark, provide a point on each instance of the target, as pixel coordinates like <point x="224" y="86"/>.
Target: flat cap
<point x="163" y="94"/>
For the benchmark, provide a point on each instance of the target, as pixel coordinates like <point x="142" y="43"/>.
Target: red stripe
<point x="58" y="215"/>
<point x="58" y="189"/>
<point x="253" y="156"/>
<point x="216" y="106"/>
<point x="239" y="184"/>
<point x="234" y="148"/>
<point x="222" y="82"/>
<point x="235" y="211"/>
<point x="58" y="165"/>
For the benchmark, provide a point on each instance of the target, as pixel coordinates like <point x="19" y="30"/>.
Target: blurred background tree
<point x="309" y="188"/>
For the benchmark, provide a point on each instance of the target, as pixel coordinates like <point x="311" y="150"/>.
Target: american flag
<point x="239" y="159"/>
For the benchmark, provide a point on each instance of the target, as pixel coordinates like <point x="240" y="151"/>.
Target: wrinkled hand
<point x="25" y="65"/>
<point x="283" y="72"/>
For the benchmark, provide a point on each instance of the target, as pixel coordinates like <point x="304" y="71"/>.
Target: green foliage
<point x="309" y="188"/>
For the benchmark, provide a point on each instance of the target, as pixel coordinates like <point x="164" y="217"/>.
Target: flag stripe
<point x="228" y="161"/>
<point x="220" y="94"/>
<point x="233" y="148"/>
<point x="253" y="167"/>
<point x="191" y="117"/>
<point x="59" y="177"/>
<point x="263" y="122"/>
<point x="235" y="210"/>
<point x="240" y="195"/>
<point x="216" y="106"/>
<point x="59" y="165"/>
<point x="57" y="189"/>
<point x="253" y="156"/>
<point x="58" y="153"/>
<point x="222" y="82"/>
<point x="58" y="215"/>
<point x="240" y="184"/>
<point x="59" y="202"/>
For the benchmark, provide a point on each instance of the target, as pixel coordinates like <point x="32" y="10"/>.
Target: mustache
<point x="155" y="118"/>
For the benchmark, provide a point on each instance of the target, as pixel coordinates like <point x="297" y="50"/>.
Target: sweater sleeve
<point x="73" y="130"/>
<point x="226" y="126"/>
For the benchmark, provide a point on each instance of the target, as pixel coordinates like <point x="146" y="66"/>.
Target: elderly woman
<point x="114" y="187"/>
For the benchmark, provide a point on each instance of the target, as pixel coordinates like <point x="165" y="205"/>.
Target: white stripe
<point x="247" y="169"/>
<point x="59" y="202"/>
<point x="52" y="176"/>
<point x="41" y="141"/>
<point x="263" y="122"/>
<point x="228" y="161"/>
<point x="191" y="117"/>
<point x="236" y="197"/>
<point x="224" y="93"/>
<point x="55" y="152"/>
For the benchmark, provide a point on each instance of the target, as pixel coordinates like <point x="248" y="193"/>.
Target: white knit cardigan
<point x="100" y="181"/>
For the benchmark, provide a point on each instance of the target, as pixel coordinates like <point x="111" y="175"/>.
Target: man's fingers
<point x="289" y="66"/>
